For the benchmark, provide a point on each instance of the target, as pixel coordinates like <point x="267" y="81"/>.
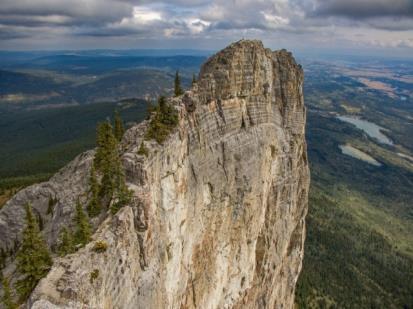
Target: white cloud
<point x="289" y="22"/>
<point x="274" y="21"/>
<point x="145" y="15"/>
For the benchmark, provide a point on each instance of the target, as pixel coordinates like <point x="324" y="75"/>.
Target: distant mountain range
<point x="13" y="59"/>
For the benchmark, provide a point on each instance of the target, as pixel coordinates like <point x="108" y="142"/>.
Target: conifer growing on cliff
<point x="122" y="194"/>
<point x="178" y="90"/>
<point x="94" y="205"/>
<point x="119" y="128"/>
<point x="105" y="159"/>
<point x="66" y="244"/>
<point x="163" y="122"/>
<point x="83" y="230"/>
<point x="143" y="150"/>
<point x="33" y="258"/>
<point x="106" y="145"/>
<point x="7" y="299"/>
<point x="113" y="188"/>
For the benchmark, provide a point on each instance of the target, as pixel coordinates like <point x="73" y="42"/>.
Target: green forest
<point x="36" y="143"/>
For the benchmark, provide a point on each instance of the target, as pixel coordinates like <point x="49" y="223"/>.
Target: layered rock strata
<point x="217" y="217"/>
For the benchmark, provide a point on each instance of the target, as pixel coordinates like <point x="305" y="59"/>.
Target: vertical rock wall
<point x="217" y="219"/>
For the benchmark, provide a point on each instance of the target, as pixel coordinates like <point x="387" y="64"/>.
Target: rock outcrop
<point x="217" y="217"/>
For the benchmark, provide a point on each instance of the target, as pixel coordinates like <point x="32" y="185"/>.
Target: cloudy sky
<point x="381" y="25"/>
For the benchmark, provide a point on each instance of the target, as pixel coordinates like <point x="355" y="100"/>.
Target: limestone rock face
<point x="217" y="218"/>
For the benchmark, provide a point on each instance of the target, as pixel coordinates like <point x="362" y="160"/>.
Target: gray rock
<point x="217" y="218"/>
<point x="69" y="184"/>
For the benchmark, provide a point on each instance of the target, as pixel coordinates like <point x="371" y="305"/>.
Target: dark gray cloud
<point x="8" y="33"/>
<point x="108" y="32"/>
<point x="61" y="12"/>
<point x="391" y="24"/>
<point x="110" y="9"/>
<point x="36" y="20"/>
<point x="359" y="9"/>
<point x="292" y="21"/>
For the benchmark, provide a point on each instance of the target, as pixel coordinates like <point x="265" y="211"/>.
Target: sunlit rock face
<point x="217" y="218"/>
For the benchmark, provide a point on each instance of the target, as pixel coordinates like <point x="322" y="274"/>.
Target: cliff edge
<point x="217" y="214"/>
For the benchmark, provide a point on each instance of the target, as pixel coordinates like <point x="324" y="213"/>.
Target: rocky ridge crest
<point x="217" y="215"/>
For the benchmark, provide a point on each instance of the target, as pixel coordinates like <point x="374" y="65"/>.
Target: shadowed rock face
<point x="217" y="219"/>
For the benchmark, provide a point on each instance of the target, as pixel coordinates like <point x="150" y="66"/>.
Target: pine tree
<point x="33" y="258"/>
<point x="122" y="195"/>
<point x="162" y="106"/>
<point x="167" y="113"/>
<point x="94" y="205"/>
<point x="143" y="150"/>
<point x="119" y="128"/>
<point x="7" y="298"/>
<point x="106" y="143"/>
<point x="178" y="89"/>
<point x="108" y="162"/>
<point x="82" y="232"/>
<point x="163" y="122"/>
<point x="66" y="244"/>
<point x="122" y="198"/>
<point x="105" y="158"/>
<point x="193" y="79"/>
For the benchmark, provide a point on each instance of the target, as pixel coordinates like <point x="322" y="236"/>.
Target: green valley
<point x="359" y="246"/>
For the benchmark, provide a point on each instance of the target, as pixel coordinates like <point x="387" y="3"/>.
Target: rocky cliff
<point x="217" y="216"/>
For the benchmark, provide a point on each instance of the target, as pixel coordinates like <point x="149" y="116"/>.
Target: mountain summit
<point x="217" y="207"/>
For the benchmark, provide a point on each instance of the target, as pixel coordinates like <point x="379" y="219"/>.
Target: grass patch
<point x="100" y="246"/>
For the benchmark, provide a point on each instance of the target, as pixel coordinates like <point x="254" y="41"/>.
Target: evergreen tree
<point x="83" y="231"/>
<point x="105" y="159"/>
<point x="163" y="122"/>
<point x="106" y="143"/>
<point x="94" y="205"/>
<point x="167" y="114"/>
<point x="7" y="298"/>
<point x="108" y="162"/>
<point x="143" y="150"/>
<point x="33" y="258"/>
<point x="66" y="244"/>
<point x="162" y="106"/>
<point x="193" y="79"/>
<point x="119" y="128"/>
<point x="178" y="89"/>
<point x="122" y="195"/>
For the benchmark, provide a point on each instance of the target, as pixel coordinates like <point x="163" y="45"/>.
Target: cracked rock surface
<point x="217" y="217"/>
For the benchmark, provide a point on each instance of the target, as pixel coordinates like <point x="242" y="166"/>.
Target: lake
<point x="358" y="154"/>
<point x="371" y="129"/>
